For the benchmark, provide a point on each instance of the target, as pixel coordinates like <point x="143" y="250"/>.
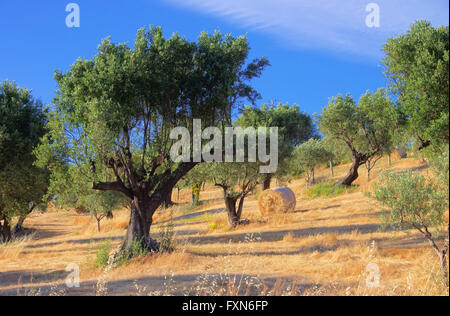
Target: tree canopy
<point x="310" y="155"/>
<point x="22" y="184"/>
<point x="115" y="112"/>
<point x="366" y="128"/>
<point x="410" y="199"/>
<point x="417" y="65"/>
<point x="294" y="128"/>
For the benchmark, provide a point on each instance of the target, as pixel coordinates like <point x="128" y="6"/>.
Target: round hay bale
<point x="279" y="200"/>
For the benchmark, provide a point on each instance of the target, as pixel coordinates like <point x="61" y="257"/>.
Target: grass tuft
<point x="328" y="189"/>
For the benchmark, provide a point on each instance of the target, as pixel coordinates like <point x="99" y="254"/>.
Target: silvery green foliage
<point x="22" y="123"/>
<point x="417" y="66"/>
<point x="411" y="200"/>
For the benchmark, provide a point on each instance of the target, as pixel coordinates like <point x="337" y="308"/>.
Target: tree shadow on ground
<point x="318" y="208"/>
<point x="320" y="248"/>
<point x="351" y="216"/>
<point x="383" y="244"/>
<point x="192" y="215"/>
<point x="74" y="241"/>
<point x="178" y="285"/>
<point x="18" y="278"/>
<point x="279" y="235"/>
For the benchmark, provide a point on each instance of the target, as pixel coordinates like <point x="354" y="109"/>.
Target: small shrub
<point x="410" y="199"/>
<point x="102" y="255"/>
<point x="213" y="226"/>
<point x="135" y="250"/>
<point x="166" y="241"/>
<point x="218" y="222"/>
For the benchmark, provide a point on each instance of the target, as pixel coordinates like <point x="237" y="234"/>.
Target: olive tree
<point x="339" y="152"/>
<point x="100" y="204"/>
<point x="294" y="128"/>
<point x="412" y="200"/>
<point x="417" y="66"/>
<point x="194" y="179"/>
<point x="237" y="181"/>
<point x="116" y="112"/>
<point x="365" y="128"/>
<point x="73" y="190"/>
<point x="22" y="184"/>
<point x="309" y="155"/>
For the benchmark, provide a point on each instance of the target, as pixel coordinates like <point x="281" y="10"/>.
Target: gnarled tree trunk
<point x="18" y="228"/>
<point x="352" y="175"/>
<point x="138" y="231"/>
<point x="424" y="143"/>
<point x="234" y="214"/>
<point x="145" y="199"/>
<point x="230" y="206"/>
<point x="167" y="202"/>
<point x="266" y="183"/>
<point x="5" y="230"/>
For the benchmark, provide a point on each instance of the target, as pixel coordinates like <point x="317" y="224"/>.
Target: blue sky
<point x="317" y="49"/>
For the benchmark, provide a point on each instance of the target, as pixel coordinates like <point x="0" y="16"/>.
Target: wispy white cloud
<point x="337" y="25"/>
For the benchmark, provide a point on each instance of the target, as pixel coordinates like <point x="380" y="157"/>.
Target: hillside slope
<point x="323" y="248"/>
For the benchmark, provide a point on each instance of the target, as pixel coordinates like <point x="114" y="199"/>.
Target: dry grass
<point x="118" y="223"/>
<point x="322" y="248"/>
<point x="13" y="250"/>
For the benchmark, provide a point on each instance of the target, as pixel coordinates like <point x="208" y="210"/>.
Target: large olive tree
<point x="22" y="185"/>
<point x="417" y="66"/>
<point x="117" y="110"/>
<point x="366" y="128"/>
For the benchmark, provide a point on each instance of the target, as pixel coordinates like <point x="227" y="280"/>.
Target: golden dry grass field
<point x="322" y="248"/>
